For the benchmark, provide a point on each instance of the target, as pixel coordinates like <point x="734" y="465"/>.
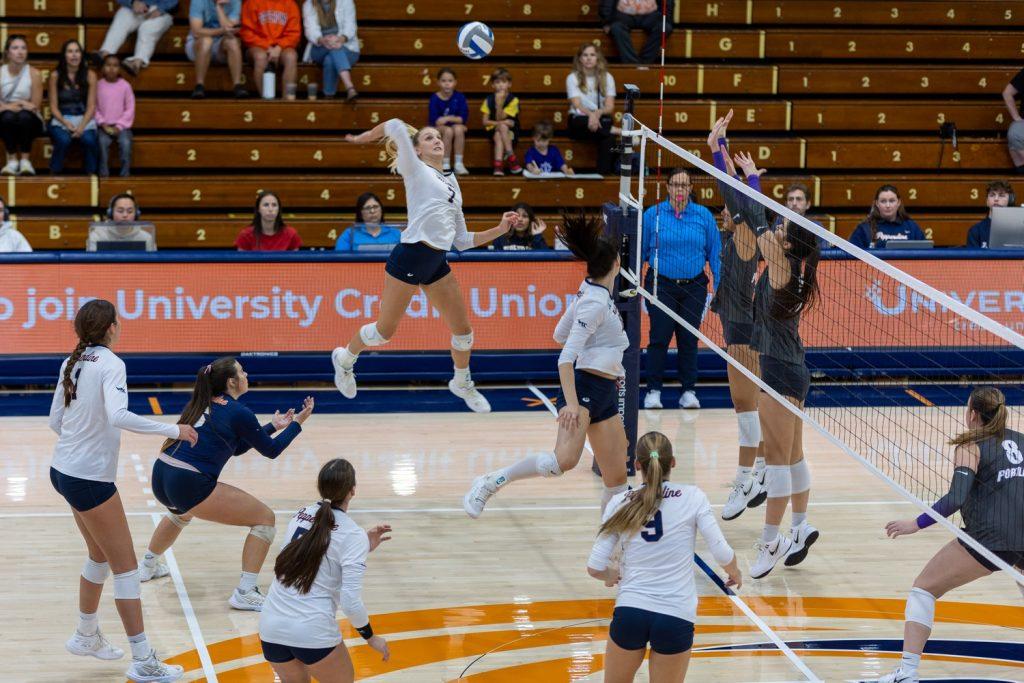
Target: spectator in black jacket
<point x="622" y="16"/>
<point x="998" y="193"/>
<point x="527" y="235"/>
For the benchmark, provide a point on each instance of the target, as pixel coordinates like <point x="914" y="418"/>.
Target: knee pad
<point x="95" y="572"/>
<point x="177" y="520"/>
<point x="800" y="474"/>
<point x="778" y="480"/>
<point x="750" y="429"/>
<point x="921" y="607"/>
<point x="127" y="586"/>
<point x="462" y="342"/>
<point x="370" y="336"/>
<point x="547" y="465"/>
<point x="264" y="532"/>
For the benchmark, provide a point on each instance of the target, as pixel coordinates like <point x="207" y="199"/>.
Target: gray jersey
<point x="994" y="511"/>
<point x="773" y="337"/>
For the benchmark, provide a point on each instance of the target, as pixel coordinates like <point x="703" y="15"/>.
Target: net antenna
<point x="909" y="443"/>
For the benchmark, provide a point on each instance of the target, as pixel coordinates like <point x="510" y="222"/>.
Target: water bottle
<point x="269" y="84"/>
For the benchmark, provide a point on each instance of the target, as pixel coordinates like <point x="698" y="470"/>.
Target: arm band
<point x="754" y="181"/>
<point x="963" y="480"/>
<point x="719" y="160"/>
<point x="366" y="631"/>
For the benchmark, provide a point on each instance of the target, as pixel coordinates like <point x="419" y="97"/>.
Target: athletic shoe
<point x="158" y="571"/>
<point x="11" y="168"/>
<point x="468" y="393"/>
<point x="653" y="399"/>
<point x="689" y="400"/>
<point x="93" y="646"/>
<point x="898" y="676"/>
<point x="251" y="600"/>
<point x="460" y="168"/>
<point x="25" y="168"/>
<point x="152" y="670"/>
<point x="239" y="91"/>
<point x="513" y="164"/>
<point x="478" y="495"/>
<point x="804" y="537"/>
<point x="199" y="92"/>
<point x="744" y="494"/>
<point x="344" y="378"/>
<point x="768" y="555"/>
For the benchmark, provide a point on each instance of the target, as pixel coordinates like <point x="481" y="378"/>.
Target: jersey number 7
<point x="653" y="530"/>
<point x="74" y="382"/>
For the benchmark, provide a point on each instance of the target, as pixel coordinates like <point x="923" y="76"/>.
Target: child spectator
<point x="501" y="120"/>
<point x="268" y="231"/>
<point x="543" y="157"/>
<point x="887" y="220"/>
<point x="997" y="193"/>
<point x="449" y="113"/>
<point x="271" y="30"/>
<point x="528" y="234"/>
<point x="73" y="107"/>
<point x="331" y="31"/>
<point x="151" y="18"/>
<point x="10" y="239"/>
<point x="115" y="114"/>
<point x="369" y="233"/>
<point x="213" y="36"/>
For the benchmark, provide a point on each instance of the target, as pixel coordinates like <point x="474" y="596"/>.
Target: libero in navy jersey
<point x="987" y="488"/>
<point x="185" y="477"/>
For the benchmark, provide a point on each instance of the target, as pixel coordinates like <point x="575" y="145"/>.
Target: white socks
<point x="799" y="518"/>
<point x="140" y="646"/>
<point x="247" y="582"/>
<point x="910" y="662"/>
<point x="149" y="559"/>
<point x="769" y="533"/>
<point x="88" y="624"/>
<point x="742" y="473"/>
<point x="458" y="159"/>
<point x="758" y="463"/>
<point x="540" y="465"/>
<point x="462" y="376"/>
<point x="348" y="359"/>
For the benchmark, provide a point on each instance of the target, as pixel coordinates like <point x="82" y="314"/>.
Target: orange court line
<point x="154" y="405"/>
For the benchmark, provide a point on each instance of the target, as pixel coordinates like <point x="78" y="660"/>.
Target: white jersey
<point x="308" y="619"/>
<point x="88" y="430"/>
<point x="433" y="199"/>
<point x="590" y="332"/>
<point x="657" y="563"/>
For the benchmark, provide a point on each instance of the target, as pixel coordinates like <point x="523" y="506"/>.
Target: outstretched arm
<point x="966" y="462"/>
<point x="467" y="240"/>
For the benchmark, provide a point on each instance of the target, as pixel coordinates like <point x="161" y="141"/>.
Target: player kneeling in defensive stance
<point x="322" y="561"/>
<point x="185" y="477"/>
<point x="593" y="341"/>
<point x="988" y="490"/>
<point x="656" y="526"/>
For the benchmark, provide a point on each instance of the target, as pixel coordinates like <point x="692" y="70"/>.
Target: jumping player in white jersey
<point x="589" y="367"/>
<point x="90" y="407"/>
<point x="655" y="526"/>
<point x="988" y="490"/>
<point x="322" y="562"/>
<point x="435" y="225"/>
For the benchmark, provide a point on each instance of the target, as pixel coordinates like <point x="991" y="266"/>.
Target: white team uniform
<point x="88" y="430"/>
<point x="433" y="199"/>
<point x="591" y="332"/>
<point x="657" y="563"/>
<point x="308" y="619"/>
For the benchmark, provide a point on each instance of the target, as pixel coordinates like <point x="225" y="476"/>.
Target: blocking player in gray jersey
<point x="987" y="488"/>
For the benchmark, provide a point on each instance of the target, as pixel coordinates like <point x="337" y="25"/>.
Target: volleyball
<point x="475" y="40"/>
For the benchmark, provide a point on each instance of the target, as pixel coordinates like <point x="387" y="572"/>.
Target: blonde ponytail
<point x="654" y="458"/>
<point x="391" y="147"/>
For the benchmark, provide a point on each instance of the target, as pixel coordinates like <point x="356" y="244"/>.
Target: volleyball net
<point x="893" y="350"/>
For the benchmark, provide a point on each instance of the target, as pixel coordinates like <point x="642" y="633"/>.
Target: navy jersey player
<point x="185" y="478"/>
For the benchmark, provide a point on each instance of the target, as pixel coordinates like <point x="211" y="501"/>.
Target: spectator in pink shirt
<point x="115" y="115"/>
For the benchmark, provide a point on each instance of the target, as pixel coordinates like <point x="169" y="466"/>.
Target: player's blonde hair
<point x="990" y="404"/>
<point x="654" y="458"/>
<point x="391" y="147"/>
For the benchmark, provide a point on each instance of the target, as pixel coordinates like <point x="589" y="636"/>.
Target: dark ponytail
<point x="990" y="404"/>
<point x="585" y="238"/>
<point x="92" y="322"/>
<point x="299" y="562"/>
<point x="211" y="380"/>
<point x="801" y="292"/>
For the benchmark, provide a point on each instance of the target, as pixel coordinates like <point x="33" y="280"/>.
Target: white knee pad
<point x="800" y="474"/>
<point x="370" y="336"/>
<point x="547" y="465"/>
<point x="264" y="532"/>
<point x="95" y="572"/>
<point x="778" y="480"/>
<point x="921" y="607"/>
<point x="177" y="520"/>
<point x="750" y="429"/>
<point x="127" y="586"/>
<point x="462" y="342"/>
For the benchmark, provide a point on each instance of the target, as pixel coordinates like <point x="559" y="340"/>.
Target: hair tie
<point x="654" y="455"/>
<point x="206" y="370"/>
<point x="326" y="500"/>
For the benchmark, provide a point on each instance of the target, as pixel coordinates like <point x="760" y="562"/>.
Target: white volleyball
<point x="475" y="40"/>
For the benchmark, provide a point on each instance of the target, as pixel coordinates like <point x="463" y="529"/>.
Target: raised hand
<point x="281" y="421"/>
<point x="378" y="535"/>
<point x="307" y="410"/>
<point x="509" y="220"/>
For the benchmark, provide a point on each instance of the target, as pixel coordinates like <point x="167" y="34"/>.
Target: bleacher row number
<point x="865" y="81"/>
<point x="837" y="12"/>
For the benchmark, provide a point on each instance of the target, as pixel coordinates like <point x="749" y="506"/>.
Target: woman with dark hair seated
<point x="887" y="220"/>
<point x="268" y="231"/>
<point x="369" y="233"/>
<point x="528" y="233"/>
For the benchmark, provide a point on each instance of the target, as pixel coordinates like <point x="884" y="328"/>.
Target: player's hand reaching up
<point x="378" y="535"/>
<point x="509" y="220"/>
<point x="188" y="433"/>
<point x="281" y="421"/>
<point x="901" y="527"/>
<point x="307" y="410"/>
<point x="381" y="646"/>
<point x="747" y="165"/>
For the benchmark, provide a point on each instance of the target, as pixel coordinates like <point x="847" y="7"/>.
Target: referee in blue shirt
<point x="688" y="239"/>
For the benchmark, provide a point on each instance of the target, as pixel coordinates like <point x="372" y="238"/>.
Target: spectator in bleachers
<point x="271" y="30"/>
<point x="121" y="225"/>
<point x="500" y="112"/>
<point x="115" y="115"/>
<point x="1015" y="134"/>
<point x="21" y="101"/>
<point x="268" y="231"/>
<point x="73" y="108"/>
<point x="449" y="113"/>
<point x="622" y="16"/>
<point x="370" y="233"/>
<point x="591" y="92"/>
<point x="544" y="157"/>
<point x="331" y="31"/>
<point x="213" y="37"/>
<point x="527" y="235"/>
<point x="887" y="220"/>
<point x="150" y="18"/>
<point x="10" y="239"/>
<point x="997" y="193"/>
<point x="798" y="200"/>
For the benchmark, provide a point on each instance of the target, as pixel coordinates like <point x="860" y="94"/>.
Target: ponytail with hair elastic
<point x="990" y="404"/>
<point x="92" y="324"/>
<point x="211" y="380"/>
<point x="654" y="458"/>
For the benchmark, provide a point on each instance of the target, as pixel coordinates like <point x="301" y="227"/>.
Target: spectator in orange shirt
<point x="271" y="30"/>
<point x="268" y="231"/>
